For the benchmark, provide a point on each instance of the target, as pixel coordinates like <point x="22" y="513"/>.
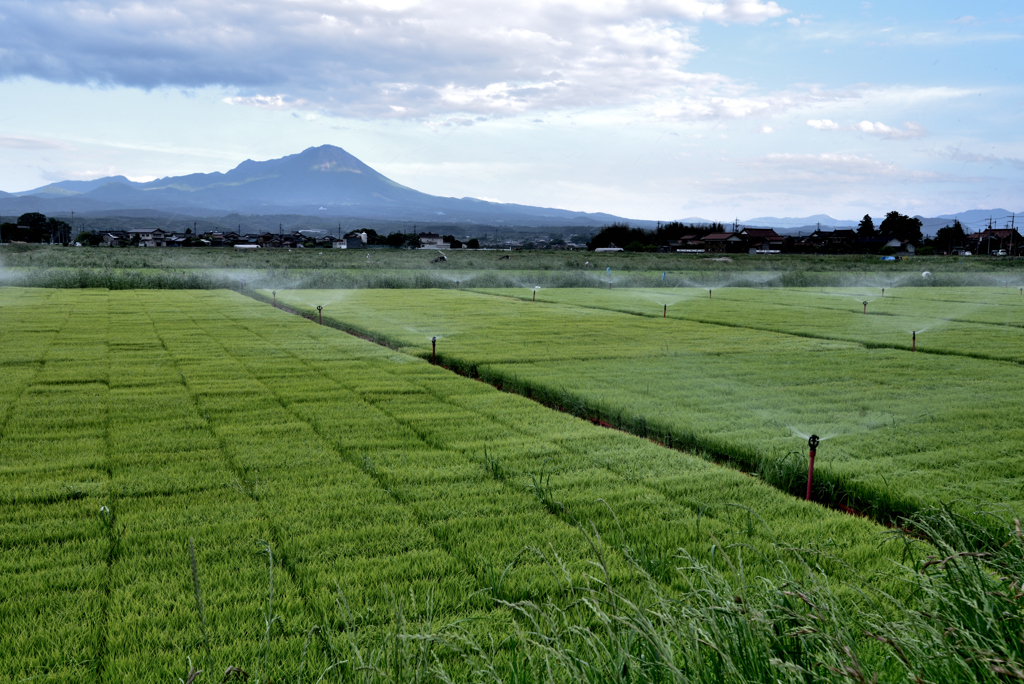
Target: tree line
<point x="894" y="225"/>
<point x="36" y="227"/>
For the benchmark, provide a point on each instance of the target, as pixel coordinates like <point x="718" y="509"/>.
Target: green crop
<point x="363" y="482"/>
<point x="903" y="429"/>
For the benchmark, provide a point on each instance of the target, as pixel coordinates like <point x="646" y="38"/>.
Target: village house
<point x="762" y="240"/>
<point x="724" y="242"/>
<point x="432" y="241"/>
<point x="148" y="237"/>
<point x="998" y="241"/>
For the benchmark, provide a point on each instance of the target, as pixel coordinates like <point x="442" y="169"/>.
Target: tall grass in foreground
<point x="963" y="623"/>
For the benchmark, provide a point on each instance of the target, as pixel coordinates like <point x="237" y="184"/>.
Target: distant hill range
<point x="329" y="183"/>
<point x="321" y="181"/>
<point x="973" y="220"/>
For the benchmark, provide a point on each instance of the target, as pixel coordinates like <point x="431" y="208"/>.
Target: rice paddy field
<point x="197" y="485"/>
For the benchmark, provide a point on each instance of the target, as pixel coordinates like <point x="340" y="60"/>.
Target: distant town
<point x="897" y="235"/>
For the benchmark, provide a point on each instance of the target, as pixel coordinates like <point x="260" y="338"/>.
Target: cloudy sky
<point x="655" y="109"/>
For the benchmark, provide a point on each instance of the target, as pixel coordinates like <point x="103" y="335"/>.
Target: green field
<point x="904" y="429"/>
<point x="359" y="515"/>
<point x="135" y="421"/>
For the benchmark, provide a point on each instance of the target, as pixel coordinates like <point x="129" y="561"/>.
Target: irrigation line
<point x="804" y="335"/>
<point x="890" y="520"/>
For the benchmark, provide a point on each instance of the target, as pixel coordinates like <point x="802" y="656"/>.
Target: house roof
<point x="720" y="237"/>
<point x="760" y="233"/>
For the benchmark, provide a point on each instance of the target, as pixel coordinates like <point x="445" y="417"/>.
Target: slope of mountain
<point x="824" y="219"/>
<point x="320" y="181"/>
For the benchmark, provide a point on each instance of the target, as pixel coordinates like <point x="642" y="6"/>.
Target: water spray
<point x="320" y="311"/>
<point x="865" y="306"/>
<point x="433" y="351"/>
<point x="812" y="444"/>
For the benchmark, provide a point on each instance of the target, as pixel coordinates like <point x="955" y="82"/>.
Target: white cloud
<point x="793" y="21"/>
<point x="17" y="142"/>
<point x="958" y="155"/>
<point x="398" y="58"/>
<point x="851" y="168"/>
<point x="823" y="124"/>
<point x="766" y="129"/>
<point x="911" y="130"/>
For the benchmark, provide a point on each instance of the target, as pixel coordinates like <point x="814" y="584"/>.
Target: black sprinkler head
<point x="433" y="339"/>
<point x="813" y="442"/>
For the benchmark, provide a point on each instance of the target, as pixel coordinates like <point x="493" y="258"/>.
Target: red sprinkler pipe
<point x="664" y="312"/>
<point x="320" y="311"/>
<point x="865" y="307"/>
<point x="913" y="340"/>
<point x="275" y="299"/>
<point x="813" y="444"/>
<point x="883" y="291"/>
<point x="709" y="294"/>
<point x="534" y="295"/>
<point x="433" y="351"/>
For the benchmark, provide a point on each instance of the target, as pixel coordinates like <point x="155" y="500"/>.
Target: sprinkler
<point x="534" y="295"/>
<point x="433" y="351"/>
<point x="664" y="312"/>
<point x="456" y="284"/>
<point x="913" y="340"/>
<point x="709" y="294"/>
<point x="812" y="444"/>
<point x="865" y="306"/>
<point x="320" y="311"/>
<point x="275" y="298"/>
<point x="883" y="292"/>
<point x="609" y="284"/>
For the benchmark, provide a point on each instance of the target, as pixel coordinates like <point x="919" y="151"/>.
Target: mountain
<point x="811" y="222"/>
<point x="321" y="181"/>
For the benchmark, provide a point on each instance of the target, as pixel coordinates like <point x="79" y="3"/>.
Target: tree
<point x="89" y="238"/>
<point x="866" y="227"/>
<point x="901" y="227"/>
<point x="951" y="237"/>
<point x="32" y="219"/>
<point x="60" y="231"/>
<point x="473" y="243"/>
<point x="619" y="234"/>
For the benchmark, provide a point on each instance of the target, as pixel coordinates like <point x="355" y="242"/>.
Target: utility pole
<point x="1013" y="228"/>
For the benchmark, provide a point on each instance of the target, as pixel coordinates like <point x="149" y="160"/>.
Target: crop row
<point x="903" y="429"/>
<point x="146" y="419"/>
<point x="978" y="322"/>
